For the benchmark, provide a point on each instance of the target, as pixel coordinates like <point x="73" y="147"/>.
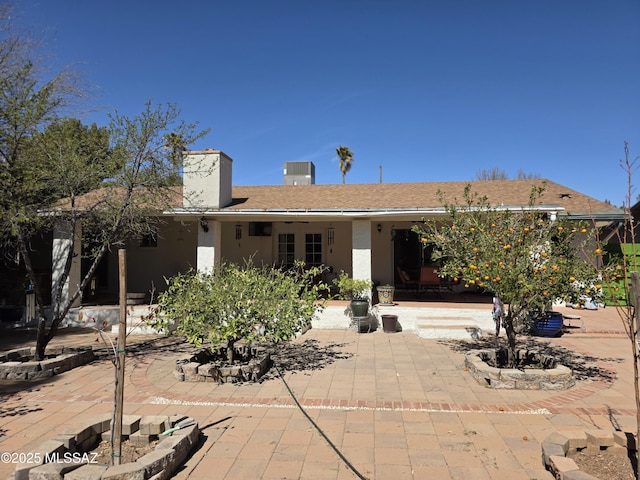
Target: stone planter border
<point x="201" y="368"/>
<point x="557" y="446"/>
<point x="62" y="359"/>
<point x="66" y="451"/>
<point x="555" y="377"/>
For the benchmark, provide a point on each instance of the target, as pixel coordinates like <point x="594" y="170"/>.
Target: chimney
<point x="299" y="173"/>
<point x="206" y="179"/>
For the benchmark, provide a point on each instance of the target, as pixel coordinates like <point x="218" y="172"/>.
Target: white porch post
<point x="209" y="245"/>
<point x="361" y="245"/>
<point x="63" y="239"/>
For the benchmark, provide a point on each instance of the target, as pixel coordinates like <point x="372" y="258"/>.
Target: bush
<point x="351" y="288"/>
<point x="249" y="303"/>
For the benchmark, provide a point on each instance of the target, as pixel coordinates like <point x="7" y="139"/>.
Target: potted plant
<point x="385" y="294"/>
<point x="356" y="290"/>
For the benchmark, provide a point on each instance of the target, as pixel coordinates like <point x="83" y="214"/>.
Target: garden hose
<point x="315" y="425"/>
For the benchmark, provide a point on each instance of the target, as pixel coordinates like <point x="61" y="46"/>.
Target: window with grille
<point x="286" y="249"/>
<point x="313" y="249"/>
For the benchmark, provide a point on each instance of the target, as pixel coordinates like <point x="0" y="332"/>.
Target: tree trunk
<point x="230" y="344"/>
<point x="633" y="335"/>
<point x="511" y="338"/>
<point x="41" y="342"/>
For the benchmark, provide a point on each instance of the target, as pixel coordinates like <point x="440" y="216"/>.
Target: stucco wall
<point x="177" y="244"/>
<point x="175" y="252"/>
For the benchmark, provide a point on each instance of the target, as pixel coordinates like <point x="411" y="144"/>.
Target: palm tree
<point x="346" y="159"/>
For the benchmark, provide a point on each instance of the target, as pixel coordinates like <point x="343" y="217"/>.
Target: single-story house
<point x="363" y="229"/>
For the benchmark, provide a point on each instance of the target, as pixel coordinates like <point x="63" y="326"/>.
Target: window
<point x="313" y="249"/>
<point x="286" y="249"/>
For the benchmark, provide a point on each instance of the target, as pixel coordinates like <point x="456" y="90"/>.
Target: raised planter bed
<point x="559" y="446"/>
<point x="536" y="371"/>
<point x="18" y="364"/>
<point x="208" y="366"/>
<point x="69" y="455"/>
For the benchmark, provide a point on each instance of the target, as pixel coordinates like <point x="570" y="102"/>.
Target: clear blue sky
<point x="429" y="90"/>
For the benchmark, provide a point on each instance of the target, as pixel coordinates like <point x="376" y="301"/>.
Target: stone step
<point x="447" y="326"/>
<point x="460" y="331"/>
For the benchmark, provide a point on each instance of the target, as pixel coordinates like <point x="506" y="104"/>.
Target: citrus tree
<point x="249" y="303"/>
<point x="525" y="258"/>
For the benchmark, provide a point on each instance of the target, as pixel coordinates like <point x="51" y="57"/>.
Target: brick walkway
<point x="395" y="405"/>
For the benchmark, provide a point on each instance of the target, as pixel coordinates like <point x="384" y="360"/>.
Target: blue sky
<point x="429" y="90"/>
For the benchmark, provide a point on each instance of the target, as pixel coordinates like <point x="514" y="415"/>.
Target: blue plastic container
<point x="548" y="324"/>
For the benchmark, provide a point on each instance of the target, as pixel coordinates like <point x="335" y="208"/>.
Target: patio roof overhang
<point x="413" y="214"/>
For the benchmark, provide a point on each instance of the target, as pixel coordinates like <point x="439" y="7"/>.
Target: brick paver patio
<point x="396" y="406"/>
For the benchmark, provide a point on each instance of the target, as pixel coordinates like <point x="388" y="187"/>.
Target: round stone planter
<point x="548" y="375"/>
<point x="208" y="366"/>
<point x="16" y="364"/>
<point x="70" y="450"/>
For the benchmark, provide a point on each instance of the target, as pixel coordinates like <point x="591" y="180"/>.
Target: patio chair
<point x="407" y="281"/>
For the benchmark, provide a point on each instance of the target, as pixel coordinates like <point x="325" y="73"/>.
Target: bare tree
<point x="494" y="173"/>
<point x="497" y="173"/>
<point x="622" y="281"/>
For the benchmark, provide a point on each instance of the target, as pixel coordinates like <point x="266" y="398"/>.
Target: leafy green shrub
<point x="247" y="303"/>
<point x="351" y="288"/>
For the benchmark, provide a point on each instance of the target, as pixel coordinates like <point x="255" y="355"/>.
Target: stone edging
<point x="557" y="378"/>
<point x="558" y="445"/>
<point x="196" y="369"/>
<point x="67" y="459"/>
<point x="66" y="358"/>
